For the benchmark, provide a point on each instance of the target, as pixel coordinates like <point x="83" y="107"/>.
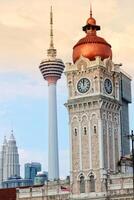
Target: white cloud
<point x="23" y="89"/>
<point x="28" y="86"/>
<point x="25" y="29"/>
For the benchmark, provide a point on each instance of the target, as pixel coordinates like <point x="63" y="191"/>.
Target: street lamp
<point x="131" y="137"/>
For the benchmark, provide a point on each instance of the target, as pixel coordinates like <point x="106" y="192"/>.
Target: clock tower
<point x="93" y="105"/>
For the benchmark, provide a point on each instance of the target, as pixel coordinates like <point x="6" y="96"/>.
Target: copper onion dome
<point x="91" y="45"/>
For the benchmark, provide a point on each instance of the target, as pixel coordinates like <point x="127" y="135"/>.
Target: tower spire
<point x="51" y="52"/>
<point x="51" y="29"/>
<point x="90" y="10"/>
<point x="5" y="140"/>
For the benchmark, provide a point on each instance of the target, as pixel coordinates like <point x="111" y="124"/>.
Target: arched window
<point x="85" y="130"/>
<point x="95" y="129"/>
<point x="92" y="183"/>
<point x="82" y="184"/>
<point x="75" y="131"/>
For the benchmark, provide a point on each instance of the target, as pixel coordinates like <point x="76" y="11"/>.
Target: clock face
<point x="83" y="85"/>
<point x="108" y="86"/>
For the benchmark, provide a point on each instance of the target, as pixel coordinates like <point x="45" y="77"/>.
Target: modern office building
<point x="31" y="170"/>
<point x="125" y="98"/>
<point x="41" y="178"/>
<point x="17" y="181"/>
<point x="9" y="159"/>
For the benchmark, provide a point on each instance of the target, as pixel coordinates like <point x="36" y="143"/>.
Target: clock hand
<point x="83" y="82"/>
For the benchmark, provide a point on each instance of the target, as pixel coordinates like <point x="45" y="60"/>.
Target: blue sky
<point x="24" y="30"/>
<point x="27" y="113"/>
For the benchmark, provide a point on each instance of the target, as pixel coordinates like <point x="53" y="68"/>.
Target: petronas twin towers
<point x="9" y="159"/>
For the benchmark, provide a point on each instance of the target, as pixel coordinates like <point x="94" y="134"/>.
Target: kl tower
<point x="52" y="69"/>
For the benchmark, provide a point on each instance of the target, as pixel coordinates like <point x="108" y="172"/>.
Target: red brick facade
<point x="8" y="194"/>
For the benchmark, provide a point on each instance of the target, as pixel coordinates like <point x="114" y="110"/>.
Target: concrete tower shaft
<point x="52" y="69"/>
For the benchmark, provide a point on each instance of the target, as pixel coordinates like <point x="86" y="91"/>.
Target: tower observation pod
<point x="52" y="69"/>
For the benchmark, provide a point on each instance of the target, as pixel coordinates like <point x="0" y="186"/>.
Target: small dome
<point x="91" y="21"/>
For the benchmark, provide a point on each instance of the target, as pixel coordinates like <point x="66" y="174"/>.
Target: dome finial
<point x="51" y="52"/>
<point x="91" y="10"/>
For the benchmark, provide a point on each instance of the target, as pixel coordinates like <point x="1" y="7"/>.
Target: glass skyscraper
<point x="9" y="159"/>
<point x="31" y="170"/>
